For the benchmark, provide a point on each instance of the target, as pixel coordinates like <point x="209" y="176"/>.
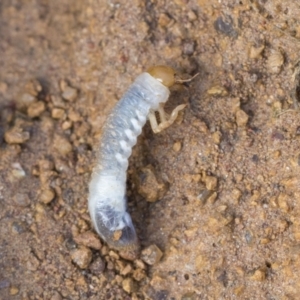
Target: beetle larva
<point x="107" y="189"/>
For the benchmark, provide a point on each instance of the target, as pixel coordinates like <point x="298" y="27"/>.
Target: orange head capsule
<point x="167" y="75"/>
<point x="163" y="74"/>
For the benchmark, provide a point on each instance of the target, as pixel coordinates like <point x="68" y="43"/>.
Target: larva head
<point x="163" y="74"/>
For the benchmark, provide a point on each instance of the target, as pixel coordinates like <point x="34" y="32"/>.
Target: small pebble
<point x="189" y="296"/>
<point x="66" y="125"/>
<point x="216" y="136"/>
<point x="151" y="255"/>
<point x="276" y="154"/>
<point x="259" y="275"/>
<point x="14" y="291"/>
<point x="69" y="93"/>
<point x="126" y="270"/>
<point x="239" y="290"/>
<point x="151" y="293"/>
<point x="104" y="250"/>
<point x="255" y="196"/>
<point x="32" y="264"/>
<point x="212" y="198"/>
<point x="256" y="52"/>
<point x="33" y="87"/>
<point x="62" y="145"/>
<point x="58" y="101"/>
<point x="57" y="113"/>
<point x="25" y="100"/>
<point x="211" y="182"/>
<point x="148" y="185"/>
<point x="16" y="135"/>
<point x="204" y="195"/>
<point x="249" y="237"/>
<point x="235" y="104"/>
<point x="191" y="15"/>
<point x="129" y="254"/>
<point x="56" y="296"/>
<point x="63" y="84"/>
<point x="275" y="61"/>
<point x="82" y="257"/>
<point x="236" y="195"/>
<point x="139" y="274"/>
<point x="47" y="195"/>
<point x="17" y="171"/>
<point x="200" y="262"/>
<point x="74" y="116"/>
<point x="21" y="200"/>
<point x="113" y="255"/>
<point x="120" y="265"/>
<point x="46" y="177"/>
<point x="117" y="235"/>
<point x="62" y="166"/>
<point x="97" y="267"/>
<point x="128" y="285"/>
<point x="241" y="118"/>
<point x="139" y="264"/>
<point x="191" y="232"/>
<point x="277" y="106"/>
<point x="164" y="20"/>
<point x="282" y="201"/>
<point x="118" y="279"/>
<point x="217" y="90"/>
<point x="225" y="25"/>
<point x="40" y="213"/>
<point x="188" y="48"/>
<point x="177" y="147"/>
<point x="110" y="265"/>
<point x="45" y="165"/>
<point x="18" y="227"/>
<point x="35" y="109"/>
<point x="88" y="239"/>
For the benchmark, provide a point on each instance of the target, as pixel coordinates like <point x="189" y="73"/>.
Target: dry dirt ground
<point x="223" y="180"/>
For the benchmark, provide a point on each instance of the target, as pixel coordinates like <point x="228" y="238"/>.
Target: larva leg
<point x="162" y="114"/>
<point x="165" y="122"/>
<point x="153" y="121"/>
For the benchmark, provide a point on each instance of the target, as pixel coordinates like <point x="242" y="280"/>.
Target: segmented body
<point x="107" y="189"/>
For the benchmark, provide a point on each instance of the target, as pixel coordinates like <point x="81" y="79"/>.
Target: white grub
<point x="107" y="189"/>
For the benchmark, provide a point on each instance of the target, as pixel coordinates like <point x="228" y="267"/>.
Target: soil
<point x="215" y="198"/>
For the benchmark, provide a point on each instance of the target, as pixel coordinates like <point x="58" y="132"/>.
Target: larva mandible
<point x="107" y="189"/>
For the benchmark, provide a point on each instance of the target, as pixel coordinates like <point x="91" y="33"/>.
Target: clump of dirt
<point x="214" y="197"/>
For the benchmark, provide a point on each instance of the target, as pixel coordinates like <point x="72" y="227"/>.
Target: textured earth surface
<point x="217" y="194"/>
